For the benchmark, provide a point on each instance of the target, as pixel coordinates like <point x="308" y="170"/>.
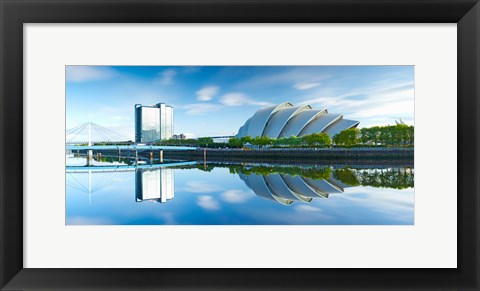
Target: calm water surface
<point x="111" y="193"/>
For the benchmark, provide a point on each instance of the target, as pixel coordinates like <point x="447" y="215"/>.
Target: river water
<point x="115" y="192"/>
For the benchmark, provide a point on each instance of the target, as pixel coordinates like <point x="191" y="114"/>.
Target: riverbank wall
<point x="341" y="156"/>
<point x="372" y="155"/>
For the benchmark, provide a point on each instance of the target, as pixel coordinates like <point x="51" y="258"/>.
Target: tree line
<point x="390" y="135"/>
<point x="310" y="140"/>
<point x="394" y="178"/>
<point x="197" y="142"/>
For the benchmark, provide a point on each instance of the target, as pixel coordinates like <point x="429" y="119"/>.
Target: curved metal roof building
<point x="285" y="120"/>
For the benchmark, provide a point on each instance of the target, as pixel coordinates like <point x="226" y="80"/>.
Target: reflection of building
<point x="153" y="122"/>
<point x="286" y="120"/>
<point x="286" y="188"/>
<point x="154" y="185"/>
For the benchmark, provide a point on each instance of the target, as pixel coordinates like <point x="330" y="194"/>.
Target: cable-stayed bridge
<point x="92" y="133"/>
<point x="92" y="136"/>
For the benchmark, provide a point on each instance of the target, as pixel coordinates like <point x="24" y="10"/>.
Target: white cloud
<point x="208" y="202"/>
<point x="390" y="101"/>
<point x="167" y="77"/>
<point x="207" y="93"/>
<point x="201" y="108"/>
<point x="235" y="196"/>
<point x="305" y="86"/>
<point x="89" y="73"/>
<point x="297" y="75"/>
<point x="201" y="187"/>
<point x="239" y="99"/>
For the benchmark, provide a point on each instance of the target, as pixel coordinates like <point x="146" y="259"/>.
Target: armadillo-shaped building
<point x="285" y="120"/>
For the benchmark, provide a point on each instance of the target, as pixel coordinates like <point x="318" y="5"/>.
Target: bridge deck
<point x="128" y="147"/>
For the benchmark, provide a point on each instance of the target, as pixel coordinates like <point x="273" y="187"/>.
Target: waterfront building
<point x="154" y="185"/>
<point x="179" y="136"/>
<point x="286" y="120"/>
<point x="153" y="122"/>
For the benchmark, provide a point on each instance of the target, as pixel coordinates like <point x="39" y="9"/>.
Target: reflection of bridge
<point x="101" y="177"/>
<point x="123" y="168"/>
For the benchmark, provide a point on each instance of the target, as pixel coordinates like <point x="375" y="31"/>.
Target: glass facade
<point x="168" y="122"/>
<point x="153" y="122"/>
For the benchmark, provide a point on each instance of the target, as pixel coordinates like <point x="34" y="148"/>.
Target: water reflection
<point x="155" y="185"/>
<point x="220" y="193"/>
<point x="288" y="184"/>
<point x="282" y="184"/>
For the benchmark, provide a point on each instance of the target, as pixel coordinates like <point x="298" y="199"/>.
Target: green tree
<point x="234" y="142"/>
<point x="247" y="139"/>
<point x="204" y="141"/>
<point x="348" y="137"/>
<point x="317" y="139"/>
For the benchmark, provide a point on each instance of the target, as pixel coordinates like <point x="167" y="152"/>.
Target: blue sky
<point x="217" y="100"/>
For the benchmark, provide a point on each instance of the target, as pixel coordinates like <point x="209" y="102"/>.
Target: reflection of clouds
<point x="382" y="197"/>
<point x="396" y="205"/>
<point x="306" y="208"/>
<point x="201" y="187"/>
<point x="167" y="217"/>
<point x="297" y="217"/>
<point x="208" y="203"/>
<point x="235" y="196"/>
<point x="80" y="220"/>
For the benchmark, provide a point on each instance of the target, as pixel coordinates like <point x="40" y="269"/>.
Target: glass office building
<point x="153" y="122"/>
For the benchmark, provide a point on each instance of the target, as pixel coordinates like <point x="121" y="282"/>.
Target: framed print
<point x="220" y="145"/>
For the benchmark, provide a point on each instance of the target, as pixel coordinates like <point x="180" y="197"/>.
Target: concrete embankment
<point x="350" y="156"/>
<point x="369" y="155"/>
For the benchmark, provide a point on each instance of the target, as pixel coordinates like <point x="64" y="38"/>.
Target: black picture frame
<point x="14" y="13"/>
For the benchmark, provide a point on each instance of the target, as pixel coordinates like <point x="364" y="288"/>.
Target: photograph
<point x="221" y="132"/>
<point x="239" y="145"/>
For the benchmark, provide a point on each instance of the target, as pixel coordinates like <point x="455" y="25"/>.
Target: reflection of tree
<point x="112" y="159"/>
<point x="346" y="176"/>
<point x="396" y="178"/>
<point x="389" y="178"/>
<point x="206" y="168"/>
<point x="314" y="173"/>
<point x="400" y="178"/>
